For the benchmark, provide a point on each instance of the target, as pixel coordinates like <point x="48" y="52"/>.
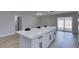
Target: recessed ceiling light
<point x="39" y="14"/>
<point x="50" y="11"/>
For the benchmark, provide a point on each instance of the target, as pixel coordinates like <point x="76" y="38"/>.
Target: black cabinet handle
<point x="40" y="44"/>
<point x="54" y="33"/>
<point x="40" y="37"/>
<point x="50" y="37"/>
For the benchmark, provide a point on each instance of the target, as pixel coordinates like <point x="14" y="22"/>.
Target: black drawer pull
<point x="40" y="37"/>
<point x="48" y="32"/>
<point x="50" y="37"/>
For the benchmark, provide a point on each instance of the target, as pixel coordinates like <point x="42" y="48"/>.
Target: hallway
<point x="65" y="40"/>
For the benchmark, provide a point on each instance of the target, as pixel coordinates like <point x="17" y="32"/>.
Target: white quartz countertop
<point x="35" y="32"/>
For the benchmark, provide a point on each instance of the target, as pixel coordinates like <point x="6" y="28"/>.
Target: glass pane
<point x="60" y="23"/>
<point x="68" y="23"/>
<point x="78" y="23"/>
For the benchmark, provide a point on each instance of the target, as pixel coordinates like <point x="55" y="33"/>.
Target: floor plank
<point x="9" y="42"/>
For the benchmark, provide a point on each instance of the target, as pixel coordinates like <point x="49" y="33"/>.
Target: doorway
<point x="64" y="23"/>
<point x="18" y="23"/>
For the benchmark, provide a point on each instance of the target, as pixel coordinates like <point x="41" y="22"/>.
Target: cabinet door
<point x="52" y="35"/>
<point x="45" y="41"/>
<point x="34" y="43"/>
<point x="50" y="38"/>
<point x="37" y="42"/>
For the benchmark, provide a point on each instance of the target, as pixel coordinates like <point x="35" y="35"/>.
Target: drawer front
<point x="46" y="34"/>
<point x="35" y="43"/>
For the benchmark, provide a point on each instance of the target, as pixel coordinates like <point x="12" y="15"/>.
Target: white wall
<point x="48" y="20"/>
<point x="7" y="22"/>
<point x="29" y="21"/>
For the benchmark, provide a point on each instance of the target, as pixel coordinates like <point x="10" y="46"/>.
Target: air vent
<point x="39" y="14"/>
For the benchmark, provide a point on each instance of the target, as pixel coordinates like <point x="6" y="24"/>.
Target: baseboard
<point x="75" y="32"/>
<point x="5" y="35"/>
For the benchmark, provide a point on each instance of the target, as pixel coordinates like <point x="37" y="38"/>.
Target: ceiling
<point x="54" y="12"/>
<point x="35" y="12"/>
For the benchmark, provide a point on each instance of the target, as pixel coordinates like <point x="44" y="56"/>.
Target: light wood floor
<point x="9" y="42"/>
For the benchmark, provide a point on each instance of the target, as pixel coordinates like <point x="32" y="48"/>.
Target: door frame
<point x="18" y="22"/>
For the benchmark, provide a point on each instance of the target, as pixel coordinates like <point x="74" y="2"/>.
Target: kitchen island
<point x="37" y="37"/>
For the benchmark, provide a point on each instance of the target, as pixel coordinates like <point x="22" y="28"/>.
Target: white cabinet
<point x="40" y="42"/>
<point x="37" y="42"/>
<point x="45" y="41"/>
<point x="40" y="39"/>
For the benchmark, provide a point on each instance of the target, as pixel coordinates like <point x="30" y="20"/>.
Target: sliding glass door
<point x="60" y="23"/>
<point x="68" y="24"/>
<point x="65" y="23"/>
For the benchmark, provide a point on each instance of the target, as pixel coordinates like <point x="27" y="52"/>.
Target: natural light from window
<point x="65" y="23"/>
